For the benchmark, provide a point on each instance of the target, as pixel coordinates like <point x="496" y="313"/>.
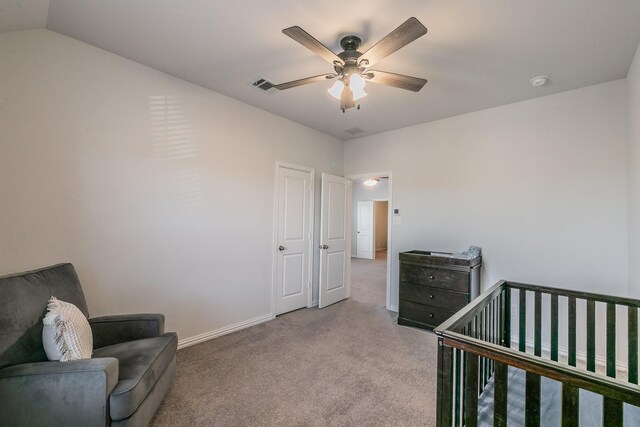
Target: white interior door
<point x="365" y="247"/>
<point x="335" y="242"/>
<point x="293" y="279"/>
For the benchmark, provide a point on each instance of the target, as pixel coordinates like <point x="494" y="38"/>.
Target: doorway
<point x="370" y="263"/>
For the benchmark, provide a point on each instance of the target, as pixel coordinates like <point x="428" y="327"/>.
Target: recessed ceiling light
<point x="539" y="81"/>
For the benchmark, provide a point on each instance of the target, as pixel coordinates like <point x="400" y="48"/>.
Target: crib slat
<point x="445" y="377"/>
<point x="480" y="319"/>
<point x="611" y="340"/>
<point x="471" y="391"/>
<point x="500" y="396"/>
<point x="570" y="406"/>
<point x="538" y="324"/>
<point x="532" y="400"/>
<point x="572" y="331"/>
<point x="522" y="331"/>
<point x="487" y="361"/>
<point x="458" y="387"/>
<point x="633" y="344"/>
<point x="611" y="412"/>
<point x="499" y="319"/>
<point x="591" y="335"/>
<point x="506" y="336"/>
<point x="554" y="327"/>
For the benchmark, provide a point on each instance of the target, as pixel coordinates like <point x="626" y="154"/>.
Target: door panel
<point x="293" y="239"/>
<point x="335" y="267"/>
<point x="337" y="201"/>
<point x="294" y="208"/>
<point x="365" y="230"/>
<point x="335" y="232"/>
<point x="292" y="274"/>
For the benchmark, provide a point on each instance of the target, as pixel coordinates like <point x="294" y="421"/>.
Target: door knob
<point x="323" y="247"/>
<point x="281" y="248"/>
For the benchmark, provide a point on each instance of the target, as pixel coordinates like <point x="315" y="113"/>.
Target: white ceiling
<point x="477" y="54"/>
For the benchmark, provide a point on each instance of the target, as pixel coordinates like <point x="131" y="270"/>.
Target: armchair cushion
<point x="142" y="363"/>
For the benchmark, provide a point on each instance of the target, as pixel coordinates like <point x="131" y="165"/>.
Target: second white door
<point x="365" y="247"/>
<point x="335" y="241"/>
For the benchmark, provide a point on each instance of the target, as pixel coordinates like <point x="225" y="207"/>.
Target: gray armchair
<point x="123" y="384"/>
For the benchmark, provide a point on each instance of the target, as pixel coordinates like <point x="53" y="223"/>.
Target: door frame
<point x="357" y="176"/>
<point x="274" y="240"/>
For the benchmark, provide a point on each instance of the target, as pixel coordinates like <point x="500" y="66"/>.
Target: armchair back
<point x="23" y="304"/>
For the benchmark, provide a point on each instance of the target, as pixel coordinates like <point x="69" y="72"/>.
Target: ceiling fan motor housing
<point x="350" y="44"/>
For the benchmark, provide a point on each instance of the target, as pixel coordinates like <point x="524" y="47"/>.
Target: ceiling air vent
<point x="263" y="85"/>
<point x="353" y="131"/>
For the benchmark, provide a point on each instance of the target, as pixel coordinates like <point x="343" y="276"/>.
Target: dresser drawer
<point x="437" y="297"/>
<point x="435" y="277"/>
<point x="426" y="314"/>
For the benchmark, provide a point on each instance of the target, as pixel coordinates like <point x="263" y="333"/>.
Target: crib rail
<point x="476" y="344"/>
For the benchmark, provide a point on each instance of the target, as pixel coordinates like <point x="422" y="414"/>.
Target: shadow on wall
<point x="178" y="178"/>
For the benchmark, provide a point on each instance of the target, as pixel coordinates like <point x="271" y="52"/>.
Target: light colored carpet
<point x="349" y="364"/>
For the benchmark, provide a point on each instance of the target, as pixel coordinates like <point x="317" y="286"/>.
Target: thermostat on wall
<point x="396" y="217"/>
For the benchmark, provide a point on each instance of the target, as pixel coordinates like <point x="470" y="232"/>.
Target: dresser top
<point x="442" y="259"/>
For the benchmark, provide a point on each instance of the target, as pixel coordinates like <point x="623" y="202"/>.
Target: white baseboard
<point x="186" y="342"/>
<point x="392" y="308"/>
<point x="314" y="303"/>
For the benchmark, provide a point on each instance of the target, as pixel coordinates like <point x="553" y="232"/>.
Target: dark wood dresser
<point x="433" y="286"/>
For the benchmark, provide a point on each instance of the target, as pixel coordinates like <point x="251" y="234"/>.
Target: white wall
<point x="540" y="185"/>
<point x="159" y="191"/>
<point x="361" y="192"/>
<point x="633" y="81"/>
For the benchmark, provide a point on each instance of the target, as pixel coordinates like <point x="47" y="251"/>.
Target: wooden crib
<point x="487" y="377"/>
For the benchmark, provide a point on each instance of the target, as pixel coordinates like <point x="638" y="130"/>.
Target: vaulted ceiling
<point x="476" y="55"/>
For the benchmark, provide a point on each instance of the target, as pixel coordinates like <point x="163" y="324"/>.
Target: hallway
<point x="369" y="279"/>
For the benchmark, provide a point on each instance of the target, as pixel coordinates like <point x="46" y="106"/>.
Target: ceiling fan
<point x="352" y="67"/>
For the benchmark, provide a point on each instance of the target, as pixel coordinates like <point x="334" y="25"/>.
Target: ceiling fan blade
<point x="409" y="31"/>
<point x="396" y="80"/>
<point x="307" y="40"/>
<point x="288" y="85"/>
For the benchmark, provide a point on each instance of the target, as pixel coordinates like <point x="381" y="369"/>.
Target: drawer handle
<point x="431" y="277"/>
<point x="431" y="315"/>
<point x="431" y="296"/>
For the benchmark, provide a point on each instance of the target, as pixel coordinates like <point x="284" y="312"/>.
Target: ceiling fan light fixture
<point x="371" y="182"/>
<point x="356" y="83"/>
<point x="336" y="89"/>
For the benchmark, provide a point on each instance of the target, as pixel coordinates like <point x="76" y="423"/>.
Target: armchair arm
<point x="108" y="330"/>
<point x="74" y="393"/>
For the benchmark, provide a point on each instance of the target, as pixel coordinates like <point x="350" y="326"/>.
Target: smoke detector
<point x="539" y="81"/>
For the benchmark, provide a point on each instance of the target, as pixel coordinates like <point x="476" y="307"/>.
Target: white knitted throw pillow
<point x="66" y="334"/>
